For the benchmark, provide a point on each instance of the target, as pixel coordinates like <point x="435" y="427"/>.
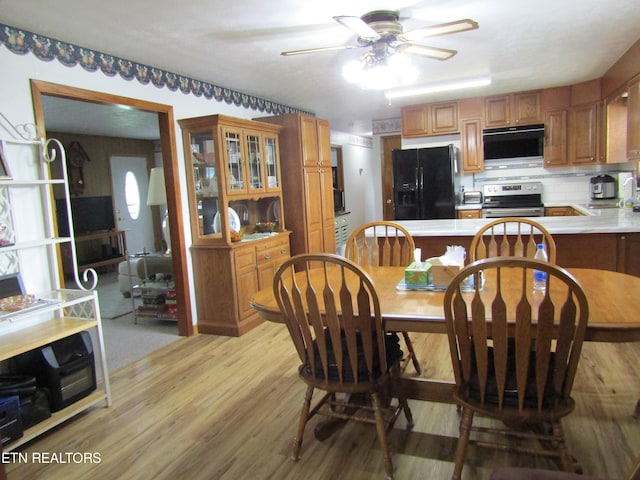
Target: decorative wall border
<point x="47" y="49"/>
<point x="386" y="125"/>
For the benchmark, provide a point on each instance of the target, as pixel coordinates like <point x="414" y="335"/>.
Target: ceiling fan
<point x="382" y="31"/>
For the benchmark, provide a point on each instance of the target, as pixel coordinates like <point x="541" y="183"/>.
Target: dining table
<point x="613" y="297"/>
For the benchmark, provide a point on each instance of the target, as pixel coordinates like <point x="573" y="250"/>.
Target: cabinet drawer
<point x="477" y="213"/>
<point x="272" y="243"/>
<point x="278" y="254"/>
<point x="245" y="257"/>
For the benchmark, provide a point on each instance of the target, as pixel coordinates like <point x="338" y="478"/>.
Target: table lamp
<point x="156" y="196"/>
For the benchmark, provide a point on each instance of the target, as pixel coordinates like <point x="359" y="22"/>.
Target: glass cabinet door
<point x="235" y="165"/>
<point x="256" y="179"/>
<point x="205" y="180"/>
<point x="271" y="163"/>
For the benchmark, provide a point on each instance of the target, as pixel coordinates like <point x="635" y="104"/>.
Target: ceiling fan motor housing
<point x="384" y="22"/>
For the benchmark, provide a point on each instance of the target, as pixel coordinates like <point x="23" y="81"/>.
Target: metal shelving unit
<point x="60" y="312"/>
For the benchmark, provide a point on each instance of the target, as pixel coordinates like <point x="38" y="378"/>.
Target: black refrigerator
<point x="425" y="183"/>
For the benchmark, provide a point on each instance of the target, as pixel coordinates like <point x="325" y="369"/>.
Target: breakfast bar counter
<point x="605" y="239"/>
<point x="604" y="220"/>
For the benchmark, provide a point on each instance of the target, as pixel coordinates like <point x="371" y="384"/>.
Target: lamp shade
<point x="157" y="194"/>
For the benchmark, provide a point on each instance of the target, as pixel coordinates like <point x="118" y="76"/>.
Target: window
<point x="132" y="195"/>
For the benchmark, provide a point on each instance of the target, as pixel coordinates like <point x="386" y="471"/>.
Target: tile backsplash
<point x="559" y="185"/>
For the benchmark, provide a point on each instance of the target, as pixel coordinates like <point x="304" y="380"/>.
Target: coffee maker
<point x="603" y="187"/>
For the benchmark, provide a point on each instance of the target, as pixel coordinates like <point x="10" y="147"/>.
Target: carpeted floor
<point x="124" y="340"/>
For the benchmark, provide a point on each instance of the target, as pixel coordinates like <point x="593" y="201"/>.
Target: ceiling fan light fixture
<point x="389" y="72"/>
<point x="443" y="87"/>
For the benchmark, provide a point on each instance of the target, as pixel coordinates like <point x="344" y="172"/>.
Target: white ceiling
<point x="522" y="45"/>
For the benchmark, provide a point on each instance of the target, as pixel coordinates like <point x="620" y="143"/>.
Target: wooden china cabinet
<point x="236" y="214"/>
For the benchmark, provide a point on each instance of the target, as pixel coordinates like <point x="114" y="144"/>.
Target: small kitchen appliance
<point x="472" y="197"/>
<point x="603" y="187"/>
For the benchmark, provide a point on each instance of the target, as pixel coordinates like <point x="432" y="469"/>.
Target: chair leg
<point x="636" y="411"/>
<point x="382" y="435"/>
<point x="402" y="396"/>
<point x="463" y="441"/>
<point x="304" y="416"/>
<point x="566" y="460"/>
<point x="412" y="352"/>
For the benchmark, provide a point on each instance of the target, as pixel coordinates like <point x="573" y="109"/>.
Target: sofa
<point x="140" y="268"/>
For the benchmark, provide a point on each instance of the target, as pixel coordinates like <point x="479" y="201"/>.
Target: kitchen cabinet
<point x="604" y="251"/>
<point x="563" y="211"/>
<point x="555" y="141"/>
<point x="633" y="120"/>
<point x="615" y="127"/>
<point x="429" y="119"/>
<point x="471" y="148"/>
<point x="307" y="186"/>
<point x="236" y="213"/>
<point x="584" y="146"/>
<point x="472" y="213"/>
<point x="513" y="109"/>
<point x="45" y="317"/>
<point x="628" y="246"/>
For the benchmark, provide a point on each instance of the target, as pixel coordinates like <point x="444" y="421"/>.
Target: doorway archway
<point x="166" y="124"/>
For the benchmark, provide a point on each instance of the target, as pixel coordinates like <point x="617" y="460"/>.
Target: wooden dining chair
<point x="385" y="244"/>
<point x="515" y="354"/>
<point x="337" y="330"/>
<point x="511" y="236"/>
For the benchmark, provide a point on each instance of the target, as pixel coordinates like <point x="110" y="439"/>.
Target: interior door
<point x="389" y="143"/>
<point x="130" y="182"/>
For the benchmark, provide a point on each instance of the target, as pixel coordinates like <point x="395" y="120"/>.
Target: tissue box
<point x="417" y="276"/>
<point x="441" y="275"/>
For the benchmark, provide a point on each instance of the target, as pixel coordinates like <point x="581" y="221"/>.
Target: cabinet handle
<point x="267" y="256"/>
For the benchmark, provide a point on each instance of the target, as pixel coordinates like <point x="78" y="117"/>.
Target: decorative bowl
<point x="264" y="227"/>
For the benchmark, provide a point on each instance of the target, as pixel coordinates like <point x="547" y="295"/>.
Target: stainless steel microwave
<point x="513" y="142"/>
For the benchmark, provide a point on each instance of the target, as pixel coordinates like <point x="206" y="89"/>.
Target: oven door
<point x="496" y="212"/>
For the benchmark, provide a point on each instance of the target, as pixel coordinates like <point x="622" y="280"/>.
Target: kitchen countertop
<point x="594" y="220"/>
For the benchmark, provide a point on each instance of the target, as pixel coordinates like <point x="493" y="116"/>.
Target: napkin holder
<point x="417" y="275"/>
<point x="441" y="275"/>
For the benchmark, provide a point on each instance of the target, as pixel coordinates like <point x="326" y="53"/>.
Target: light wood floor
<point x="220" y="408"/>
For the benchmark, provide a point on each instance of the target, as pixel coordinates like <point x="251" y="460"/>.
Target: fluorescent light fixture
<point x="444" y="87"/>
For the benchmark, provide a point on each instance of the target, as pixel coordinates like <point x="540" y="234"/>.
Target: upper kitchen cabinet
<point x="615" y="126"/>
<point x="555" y="138"/>
<point x="513" y="109"/>
<point x="430" y="119"/>
<point x="307" y="186"/>
<point x="233" y="166"/>
<point x="471" y="147"/>
<point x="555" y="105"/>
<point x="633" y="119"/>
<point x="584" y="134"/>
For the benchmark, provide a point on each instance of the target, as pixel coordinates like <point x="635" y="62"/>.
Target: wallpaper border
<point x="22" y="42"/>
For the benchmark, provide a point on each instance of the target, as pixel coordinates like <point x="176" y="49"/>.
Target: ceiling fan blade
<point x="319" y="49"/>
<point x="359" y="26"/>
<point x="441" y="29"/>
<point x="424" y="51"/>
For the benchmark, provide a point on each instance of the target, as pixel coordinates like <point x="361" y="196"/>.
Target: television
<point x="90" y="214"/>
